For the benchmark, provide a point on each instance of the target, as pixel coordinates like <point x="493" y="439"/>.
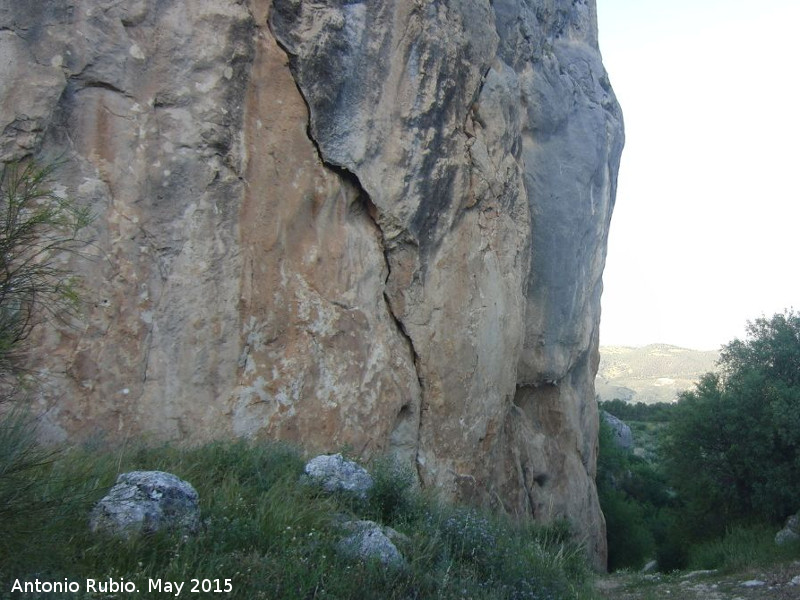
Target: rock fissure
<point x="97" y="84"/>
<point x="371" y="210"/>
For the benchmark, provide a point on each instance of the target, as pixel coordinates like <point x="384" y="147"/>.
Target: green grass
<point x="272" y="536"/>
<point x="742" y="548"/>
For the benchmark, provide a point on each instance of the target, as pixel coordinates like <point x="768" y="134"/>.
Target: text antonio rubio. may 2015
<point x="121" y="585"/>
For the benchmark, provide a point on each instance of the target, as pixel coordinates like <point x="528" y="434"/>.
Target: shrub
<point x="635" y="501"/>
<point x="660" y="412"/>
<point x="37" y="226"/>
<point x="391" y="497"/>
<point x="733" y="447"/>
<point x="44" y="495"/>
<point x="630" y="542"/>
<point x="23" y="464"/>
<point x="742" y="547"/>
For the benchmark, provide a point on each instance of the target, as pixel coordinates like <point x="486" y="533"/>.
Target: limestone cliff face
<point x="379" y="225"/>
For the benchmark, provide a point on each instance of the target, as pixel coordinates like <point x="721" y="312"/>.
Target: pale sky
<point x="706" y="231"/>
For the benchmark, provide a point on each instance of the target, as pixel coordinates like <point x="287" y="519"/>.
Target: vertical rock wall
<point x="379" y="225"/>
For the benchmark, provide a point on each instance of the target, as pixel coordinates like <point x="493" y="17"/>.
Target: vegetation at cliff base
<point x="725" y="471"/>
<point x="636" y="503"/>
<point x="270" y="533"/>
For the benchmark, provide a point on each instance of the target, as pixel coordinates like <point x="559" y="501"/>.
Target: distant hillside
<point x="654" y="373"/>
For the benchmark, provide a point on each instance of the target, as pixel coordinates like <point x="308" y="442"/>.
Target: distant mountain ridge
<point x="652" y="373"/>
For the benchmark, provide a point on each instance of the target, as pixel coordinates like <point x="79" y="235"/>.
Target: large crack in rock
<point x="403" y="436"/>
<point x="327" y="365"/>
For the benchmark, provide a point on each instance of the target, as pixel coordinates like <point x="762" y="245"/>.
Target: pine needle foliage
<point x="39" y="228"/>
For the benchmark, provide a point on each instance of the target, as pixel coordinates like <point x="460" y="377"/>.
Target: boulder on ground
<point x="143" y="502"/>
<point x="368" y="541"/>
<point x="623" y="435"/>
<point x="650" y="567"/>
<point x="335" y="474"/>
<point x="791" y="532"/>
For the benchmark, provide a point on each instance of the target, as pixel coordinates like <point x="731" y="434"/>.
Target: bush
<point x="37" y="226"/>
<point x="660" y="412"/>
<point x="733" y="447"/>
<point x="635" y="501"/>
<point x="728" y="458"/>
<point x="742" y="547"/>
<point x="391" y="497"/>
<point x="45" y="494"/>
<point x="630" y="542"/>
<point x="23" y="466"/>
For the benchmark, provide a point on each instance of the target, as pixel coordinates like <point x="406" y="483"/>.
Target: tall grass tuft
<point x="25" y="471"/>
<point x="741" y="548"/>
<point x="392" y="497"/>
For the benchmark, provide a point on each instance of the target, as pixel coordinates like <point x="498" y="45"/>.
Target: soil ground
<point x="779" y="582"/>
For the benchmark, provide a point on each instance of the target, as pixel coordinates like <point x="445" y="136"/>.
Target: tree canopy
<point x="733" y="447"/>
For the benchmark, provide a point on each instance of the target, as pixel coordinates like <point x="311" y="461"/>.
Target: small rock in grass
<point x="143" y="502"/>
<point x="790" y="534"/>
<point x="650" y="567"/>
<point x="335" y="474"/>
<point x="698" y="573"/>
<point x="371" y="541"/>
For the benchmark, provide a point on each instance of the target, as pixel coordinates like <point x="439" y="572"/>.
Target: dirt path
<point x="780" y="582"/>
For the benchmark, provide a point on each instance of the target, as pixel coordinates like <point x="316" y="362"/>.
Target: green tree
<point x="733" y="447"/>
<point x="635" y="502"/>
<point x="37" y="229"/>
<point x="660" y="412"/>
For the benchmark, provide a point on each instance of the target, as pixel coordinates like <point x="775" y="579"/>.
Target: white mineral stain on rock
<point x="136" y="52"/>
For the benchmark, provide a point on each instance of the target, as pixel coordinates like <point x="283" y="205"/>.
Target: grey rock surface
<point x="650" y="567"/>
<point x="334" y="473"/>
<point x="144" y="502"/>
<point x="370" y="541"/>
<point x="790" y="533"/>
<point x="623" y="436"/>
<point x="379" y="225"/>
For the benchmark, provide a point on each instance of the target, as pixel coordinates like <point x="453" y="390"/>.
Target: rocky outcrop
<point x="623" y="436"/>
<point x="144" y="502"/>
<point x="375" y="225"/>
<point x="335" y="474"/>
<point x="370" y="541"/>
<point x="790" y="534"/>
